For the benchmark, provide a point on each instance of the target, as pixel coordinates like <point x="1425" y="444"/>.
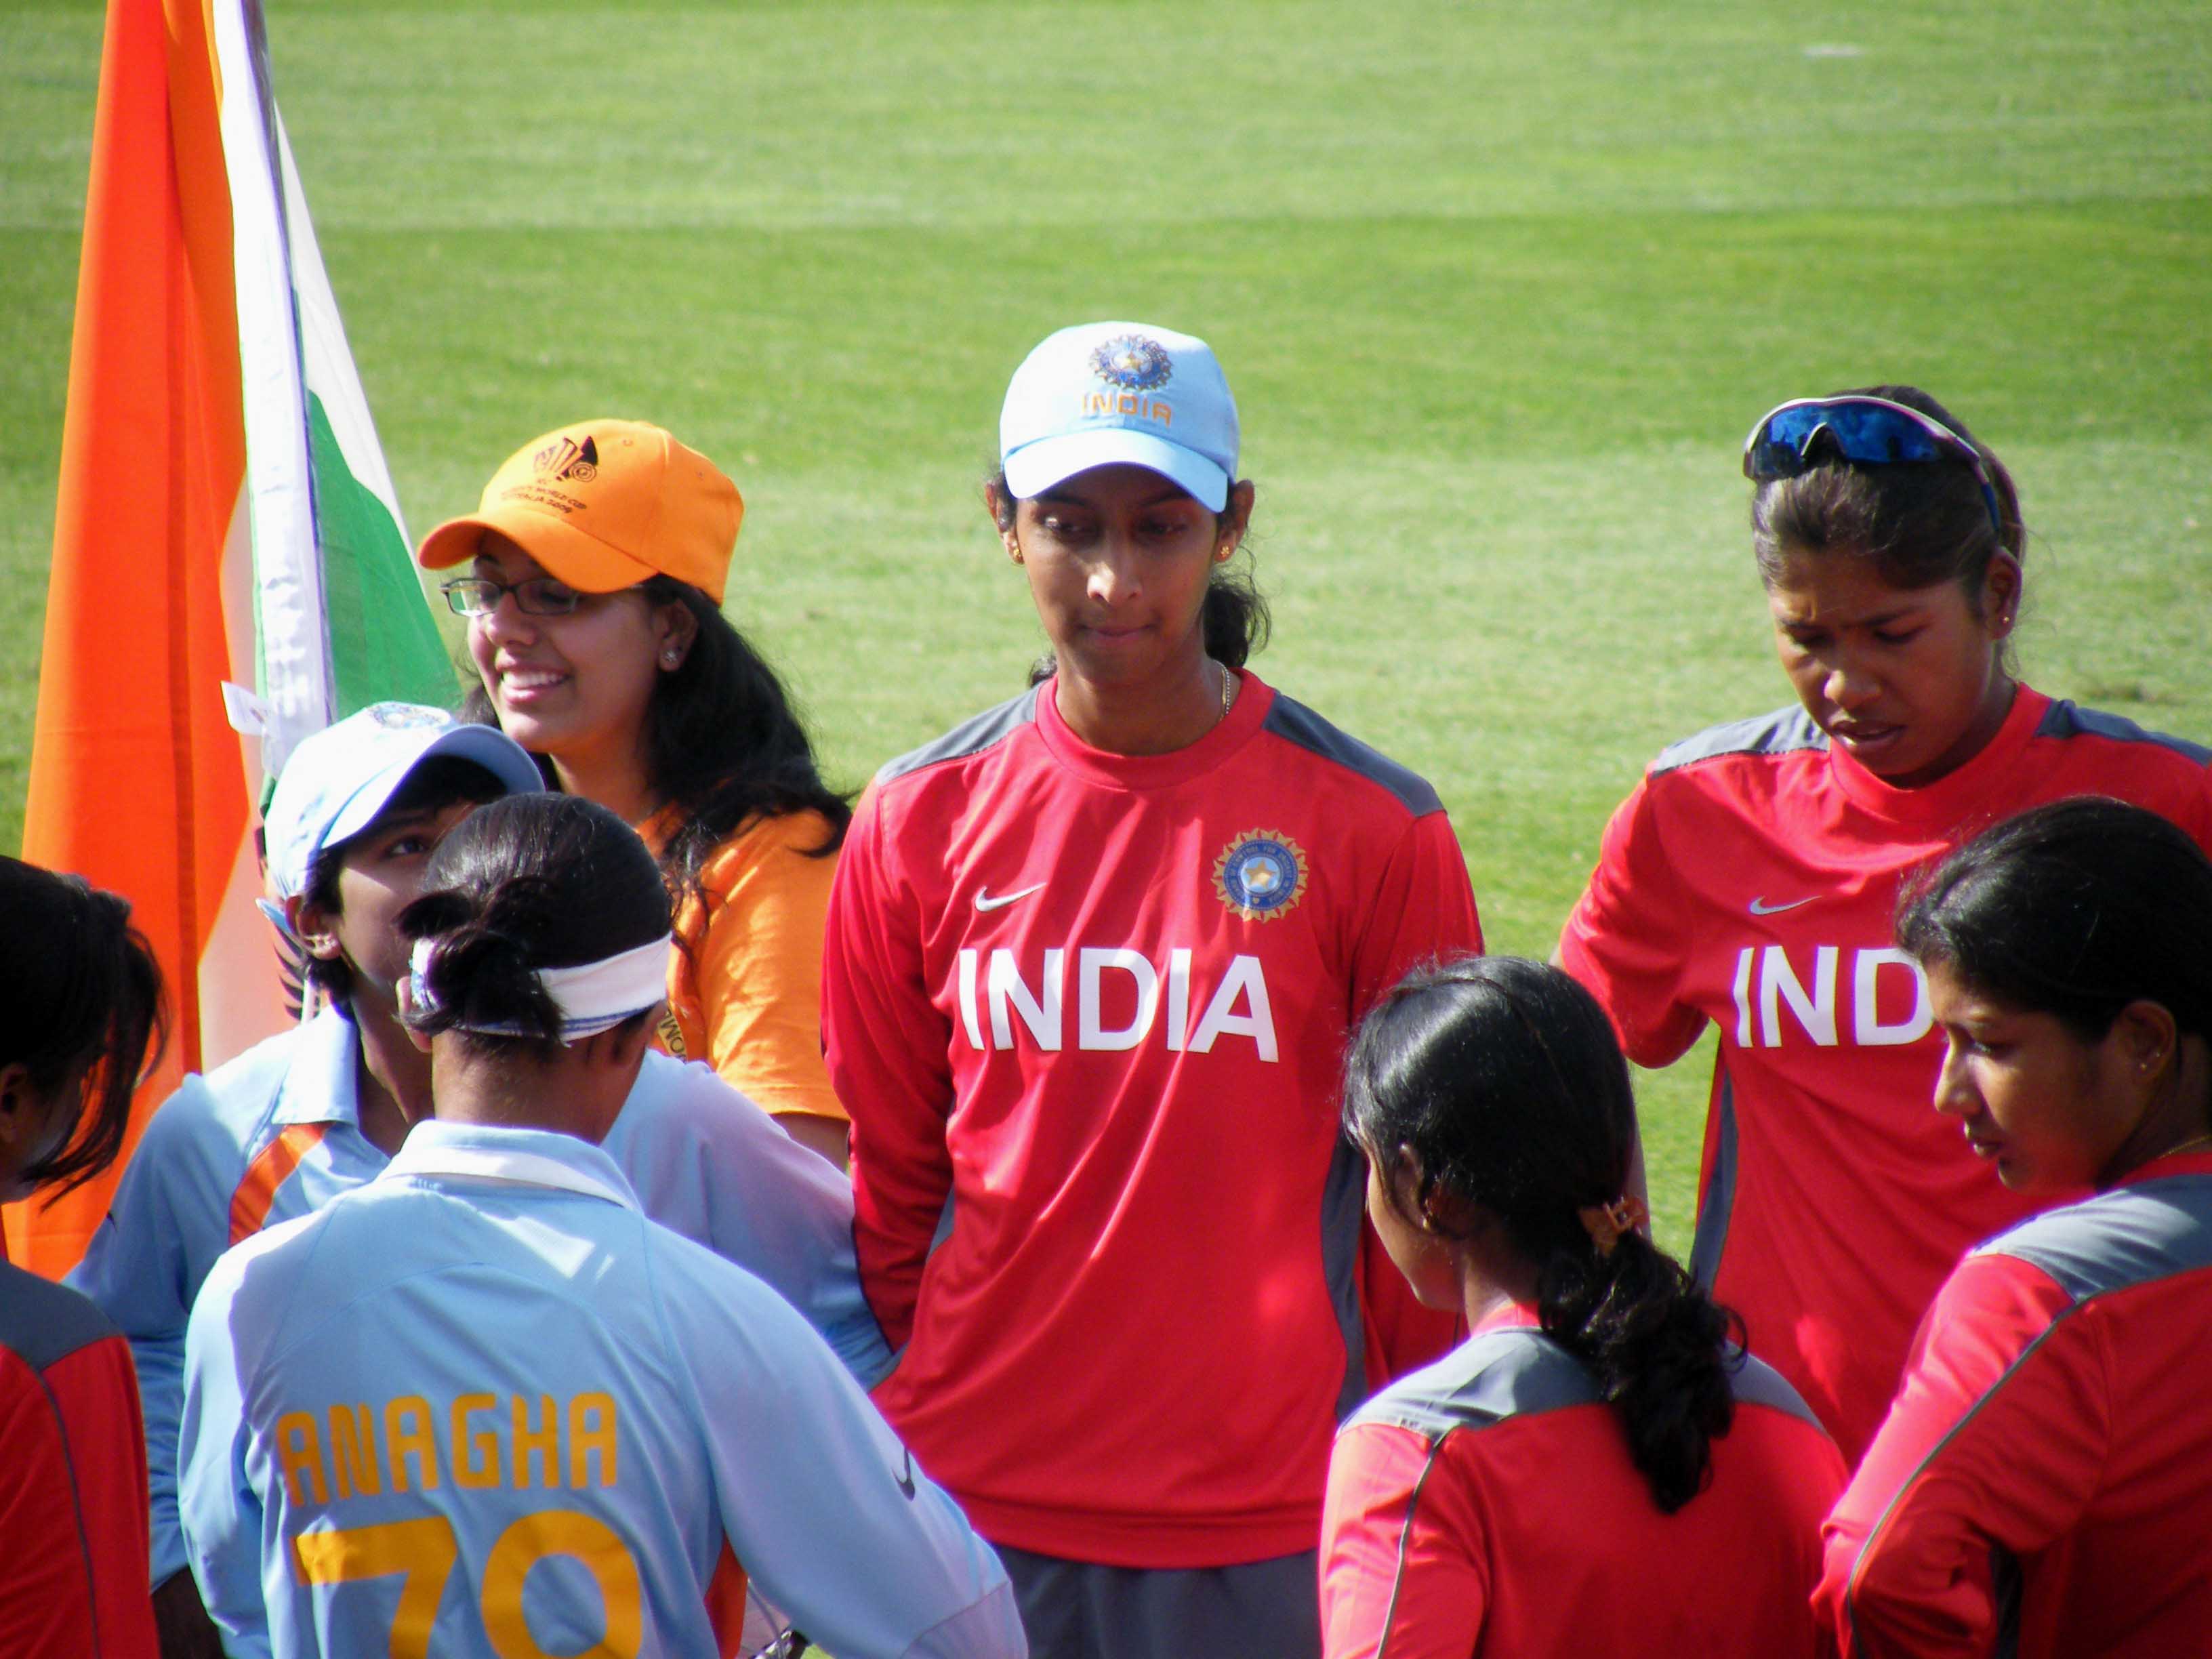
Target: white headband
<point x="593" y="996"/>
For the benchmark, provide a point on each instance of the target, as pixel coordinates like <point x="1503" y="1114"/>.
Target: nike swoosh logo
<point x="985" y="901"/>
<point x="1761" y="907"/>
<point x="905" y="1478"/>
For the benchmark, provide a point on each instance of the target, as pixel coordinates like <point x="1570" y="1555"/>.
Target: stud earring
<point x="670" y="659"/>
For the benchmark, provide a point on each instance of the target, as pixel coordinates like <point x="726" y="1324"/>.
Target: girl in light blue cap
<point x="1091" y="959"/>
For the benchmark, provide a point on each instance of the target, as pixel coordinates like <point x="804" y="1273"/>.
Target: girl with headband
<point x="1092" y="957"/>
<point x="321" y="1108"/>
<point x="596" y="569"/>
<point x="1749" y="880"/>
<point x="488" y="1359"/>
<point x="80" y="1006"/>
<point x="1515" y="1496"/>
<point x="2043" y="1482"/>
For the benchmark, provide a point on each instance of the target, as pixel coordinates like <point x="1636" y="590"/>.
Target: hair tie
<point x="593" y="996"/>
<point x="1605" y="1223"/>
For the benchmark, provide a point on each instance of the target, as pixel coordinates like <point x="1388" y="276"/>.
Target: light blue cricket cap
<point x="1104" y="392"/>
<point x="339" y="780"/>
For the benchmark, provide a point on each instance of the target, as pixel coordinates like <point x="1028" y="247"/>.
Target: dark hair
<point x="529" y="882"/>
<point x="2073" y="909"/>
<point x="1918" y="526"/>
<point x="442" y="781"/>
<point x="1503" y="1079"/>
<point x="1235" y="620"/>
<point x="80" y="989"/>
<point x="723" y="743"/>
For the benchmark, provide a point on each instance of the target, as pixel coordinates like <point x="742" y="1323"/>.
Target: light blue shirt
<point x="483" y="1400"/>
<point x="702" y="1159"/>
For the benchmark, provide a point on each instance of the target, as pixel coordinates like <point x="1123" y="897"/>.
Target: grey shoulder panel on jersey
<point x="1292" y="721"/>
<point x="1507" y="1373"/>
<point x="43" y="1323"/>
<point x="1781" y="732"/>
<point x="971" y="737"/>
<point x="2069" y="720"/>
<point x="2130" y="1235"/>
<point x="1758" y="1383"/>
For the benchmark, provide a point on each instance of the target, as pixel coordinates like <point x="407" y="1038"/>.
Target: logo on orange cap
<point x="605" y="505"/>
<point x="565" y="457"/>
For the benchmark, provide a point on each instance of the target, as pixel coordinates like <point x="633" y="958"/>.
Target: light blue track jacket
<point x="483" y="1406"/>
<point x="702" y="1159"/>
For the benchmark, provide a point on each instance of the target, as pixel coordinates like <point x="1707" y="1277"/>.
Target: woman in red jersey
<point x="1091" y="960"/>
<point x="2042" y="1484"/>
<point x="80" y="1004"/>
<point x="1749" y="881"/>
<point x="1515" y="1496"/>
<point x="596" y="562"/>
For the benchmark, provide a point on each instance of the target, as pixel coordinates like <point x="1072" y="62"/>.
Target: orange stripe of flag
<point x="137" y="780"/>
<point x="249" y="1204"/>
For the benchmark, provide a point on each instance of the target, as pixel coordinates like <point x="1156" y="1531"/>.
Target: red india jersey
<point x="1750" y="880"/>
<point x="73" y="1544"/>
<point x="1488" y="1505"/>
<point x="2043" y="1485"/>
<point x="1088" y="1012"/>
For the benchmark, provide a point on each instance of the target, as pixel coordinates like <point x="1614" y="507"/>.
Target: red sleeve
<point x="1994" y="1443"/>
<point x="73" y="1507"/>
<point x="1399" y="1577"/>
<point x="889" y="1051"/>
<point x="1424" y="909"/>
<point x="1626" y="939"/>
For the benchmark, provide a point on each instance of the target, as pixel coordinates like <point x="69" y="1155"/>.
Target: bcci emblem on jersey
<point x="1260" y="875"/>
<point x="1133" y="363"/>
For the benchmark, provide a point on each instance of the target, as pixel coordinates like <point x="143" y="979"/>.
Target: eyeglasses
<point x="1867" y="432"/>
<point x="534" y="596"/>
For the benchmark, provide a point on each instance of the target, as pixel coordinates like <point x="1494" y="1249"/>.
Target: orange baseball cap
<point x="603" y="505"/>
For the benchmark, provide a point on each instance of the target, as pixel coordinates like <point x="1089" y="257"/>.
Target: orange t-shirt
<point x="744" y="985"/>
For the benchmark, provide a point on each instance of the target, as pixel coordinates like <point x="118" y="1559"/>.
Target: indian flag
<point x="230" y="569"/>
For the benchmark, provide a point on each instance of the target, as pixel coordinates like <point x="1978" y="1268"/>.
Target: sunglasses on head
<point x="1866" y="432"/>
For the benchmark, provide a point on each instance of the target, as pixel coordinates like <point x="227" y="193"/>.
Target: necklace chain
<point x="1228" y="691"/>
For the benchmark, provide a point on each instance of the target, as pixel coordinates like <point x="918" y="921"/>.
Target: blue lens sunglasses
<point x="1867" y="431"/>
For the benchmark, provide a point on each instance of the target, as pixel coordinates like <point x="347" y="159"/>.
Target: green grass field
<point x="1500" y="289"/>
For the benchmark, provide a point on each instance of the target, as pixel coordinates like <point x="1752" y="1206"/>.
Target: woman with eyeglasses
<point x="596" y="564"/>
<point x="1749" y="880"/>
<point x="1093" y="955"/>
<point x="2043" y="1485"/>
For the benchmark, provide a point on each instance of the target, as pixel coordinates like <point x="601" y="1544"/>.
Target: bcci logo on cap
<point x="564" y="458"/>
<point x="1260" y="875"/>
<point x="1133" y="363"/>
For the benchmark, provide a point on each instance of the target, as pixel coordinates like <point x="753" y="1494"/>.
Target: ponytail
<point x="1501" y="1081"/>
<point x="1657" y="1346"/>
<point x="482" y="975"/>
<point x="1235" y="619"/>
<point x="527" y="883"/>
